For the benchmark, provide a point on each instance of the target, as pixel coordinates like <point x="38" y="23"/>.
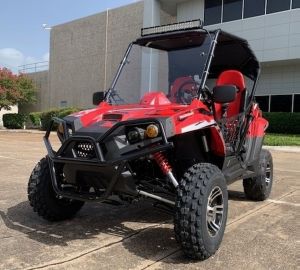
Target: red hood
<point x="153" y="105"/>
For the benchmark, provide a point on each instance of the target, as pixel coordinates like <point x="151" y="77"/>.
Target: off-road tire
<point x="190" y="222"/>
<point x="43" y="198"/>
<point x="259" y="188"/>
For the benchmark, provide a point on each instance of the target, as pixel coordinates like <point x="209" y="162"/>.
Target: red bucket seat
<point x="236" y="78"/>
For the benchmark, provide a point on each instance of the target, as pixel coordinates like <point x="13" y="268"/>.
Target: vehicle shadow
<point x="147" y="232"/>
<point x="234" y="195"/>
<point x="92" y="221"/>
<point x="159" y="243"/>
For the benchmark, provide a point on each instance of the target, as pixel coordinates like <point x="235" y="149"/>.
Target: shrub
<point x="35" y="118"/>
<point x="67" y="111"/>
<point x="282" y="122"/>
<point x="14" y="120"/>
<point x="46" y="117"/>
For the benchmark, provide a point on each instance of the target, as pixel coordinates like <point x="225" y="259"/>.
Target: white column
<point x="149" y="80"/>
<point x="190" y="10"/>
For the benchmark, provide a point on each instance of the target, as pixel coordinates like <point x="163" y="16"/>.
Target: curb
<point x="288" y="149"/>
<point x="30" y="131"/>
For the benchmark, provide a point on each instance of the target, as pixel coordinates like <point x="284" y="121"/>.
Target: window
<point x="63" y="104"/>
<point x="254" y="8"/>
<point x="297" y="103"/>
<point x="212" y="12"/>
<point x="281" y="103"/>
<point x="263" y="102"/>
<point x="277" y="5"/>
<point x="232" y="10"/>
<point x="296" y="4"/>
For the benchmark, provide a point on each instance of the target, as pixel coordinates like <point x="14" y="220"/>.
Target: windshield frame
<point x="212" y="37"/>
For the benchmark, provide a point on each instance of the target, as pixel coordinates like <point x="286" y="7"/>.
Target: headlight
<point x="135" y="135"/>
<point x="152" y="131"/>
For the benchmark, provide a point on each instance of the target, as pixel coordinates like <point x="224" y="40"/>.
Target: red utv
<point x="195" y="129"/>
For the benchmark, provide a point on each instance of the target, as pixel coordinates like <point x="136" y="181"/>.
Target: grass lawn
<point x="282" y="140"/>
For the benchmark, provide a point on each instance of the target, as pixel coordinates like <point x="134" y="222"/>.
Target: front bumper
<point x="92" y="154"/>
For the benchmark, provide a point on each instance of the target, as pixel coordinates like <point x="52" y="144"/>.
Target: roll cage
<point x="222" y="47"/>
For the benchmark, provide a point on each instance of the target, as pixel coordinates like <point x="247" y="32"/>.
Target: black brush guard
<point x="58" y="157"/>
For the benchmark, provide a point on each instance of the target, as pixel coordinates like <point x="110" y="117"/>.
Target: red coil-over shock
<point x="162" y="162"/>
<point x="165" y="166"/>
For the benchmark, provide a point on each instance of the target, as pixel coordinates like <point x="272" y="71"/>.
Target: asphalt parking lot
<point x="262" y="235"/>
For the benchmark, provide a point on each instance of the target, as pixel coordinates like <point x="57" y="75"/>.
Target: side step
<point x="233" y="170"/>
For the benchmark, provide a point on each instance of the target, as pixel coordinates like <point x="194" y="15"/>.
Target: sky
<point x="22" y="37"/>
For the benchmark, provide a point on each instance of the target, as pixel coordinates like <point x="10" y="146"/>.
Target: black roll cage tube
<point x="214" y="42"/>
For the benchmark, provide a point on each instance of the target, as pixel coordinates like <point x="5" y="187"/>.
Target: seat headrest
<point x="234" y="77"/>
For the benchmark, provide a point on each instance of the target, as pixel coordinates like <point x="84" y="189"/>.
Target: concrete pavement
<point x="262" y="235"/>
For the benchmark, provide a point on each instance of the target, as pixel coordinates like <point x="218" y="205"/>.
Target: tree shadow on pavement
<point x="92" y="221"/>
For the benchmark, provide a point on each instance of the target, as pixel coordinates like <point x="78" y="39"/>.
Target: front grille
<point x="85" y="150"/>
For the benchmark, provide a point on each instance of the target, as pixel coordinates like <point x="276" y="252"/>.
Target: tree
<point x="15" y="89"/>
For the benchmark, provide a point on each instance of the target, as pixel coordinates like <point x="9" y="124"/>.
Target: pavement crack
<point x="257" y="209"/>
<point x="94" y="250"/>
<point x="236" y="221"/>
<point x="283" y="202"/>
<point x="162" y="258"/>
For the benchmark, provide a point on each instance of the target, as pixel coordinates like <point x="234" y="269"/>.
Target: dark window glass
<point x="277" y="5"/>
<point x="297" y="103"/>
<point x="232" y="10"/>
<point x="296" y="4"/>
<point x="281" y="103"/>
<point x="212" y="12"/>
<point x="254" y="8"/>
<point x="263" y="102"/>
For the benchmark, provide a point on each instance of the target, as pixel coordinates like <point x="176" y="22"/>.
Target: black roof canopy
<point x="231" y="52"/>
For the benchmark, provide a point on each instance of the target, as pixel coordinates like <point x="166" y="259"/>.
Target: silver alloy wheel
<point x="215" y="210"/>
<point x="268" y="174"/>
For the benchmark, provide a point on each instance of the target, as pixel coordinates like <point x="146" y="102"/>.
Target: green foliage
<point x="67" y="111"/>
<point x="14" y="120"/>
<point x="35" y="118"/>
<point x="282" y="140"/>
<point x="46" y="117"/>
<point x="282" y="122"/>
<point x="15" y="89"/>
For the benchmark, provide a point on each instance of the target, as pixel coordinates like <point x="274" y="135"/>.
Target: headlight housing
<point x="135" y="135"/>
<point x="152" y="131"/>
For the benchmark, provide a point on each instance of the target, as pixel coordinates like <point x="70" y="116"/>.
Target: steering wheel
<point x="187" y="91"/>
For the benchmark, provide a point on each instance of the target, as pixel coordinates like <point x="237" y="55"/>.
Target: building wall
<point x="42" y="93"/>
<point x="278" y="78"/>
<point x="78" y="65"/>
<point x="275" y="39"/>
<point x="190" y="10"/>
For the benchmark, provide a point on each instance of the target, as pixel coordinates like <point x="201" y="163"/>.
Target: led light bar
<point x="195" y="24"/>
